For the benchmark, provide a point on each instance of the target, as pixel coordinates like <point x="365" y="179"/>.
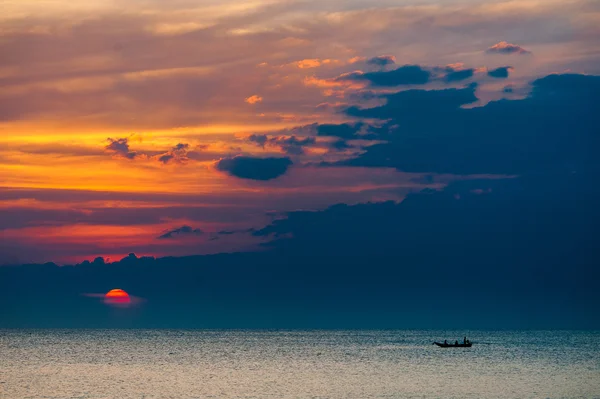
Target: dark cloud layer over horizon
<point x="517" y="252"/>
<point x="490" y="248"/>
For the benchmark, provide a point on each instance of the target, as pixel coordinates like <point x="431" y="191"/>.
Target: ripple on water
<point x="296" y="364"/>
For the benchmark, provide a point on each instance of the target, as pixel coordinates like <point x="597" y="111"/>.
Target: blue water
<point x="296" y="364"/>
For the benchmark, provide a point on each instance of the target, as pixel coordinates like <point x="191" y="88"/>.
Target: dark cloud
<point x="348" y="131"/>
<point x="293" y="145"/>
<point x="120" y="147"/>
<point x="344" y="131"/>
<point x="554" y="127"/>
<point x="418" y="103"/>
<point x="382" y="60"/>
<point x="99" y="261"/>
<point x="458" y="75"/>
<point x="290" y="145"/>
<point x="180" y="232"/>
<point x="512" y="231"/>
<point x="405" y="75"/>
<point x="180" y="147"/>
<point x="507" y="48"/>
<point x="129" y="258"/>
<point x="232" y="232"/>
<point x="260" y="139"/>
<point x="457" y="208"/>
<point x="500" y="73"/>
<point x="425" y="179"/>
<point x="226" y="233"/>
<point x="340" y="145"/>
<point x="254" y="168"/>
<point x="178" y="154"/>
<point x="165" y="158"/>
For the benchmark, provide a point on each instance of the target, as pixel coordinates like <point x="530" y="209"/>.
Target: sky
<point x="434" y="135"/>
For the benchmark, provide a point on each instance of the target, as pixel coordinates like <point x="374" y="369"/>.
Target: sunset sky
<point x="184" y="127"/>
<point x="300" y="163"/>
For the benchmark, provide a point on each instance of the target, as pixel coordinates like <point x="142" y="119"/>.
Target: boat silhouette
<point x="455" y="345"/>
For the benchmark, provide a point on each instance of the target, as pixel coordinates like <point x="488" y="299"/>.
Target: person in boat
<point x="465" y="340"/>
<point x="445" y="342"/>
<point x="456" y="343"/>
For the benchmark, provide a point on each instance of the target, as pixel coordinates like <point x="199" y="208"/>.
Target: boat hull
<point x="442" y="345"/>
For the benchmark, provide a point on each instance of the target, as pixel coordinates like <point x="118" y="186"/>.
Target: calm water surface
<point x="296" y="364"/>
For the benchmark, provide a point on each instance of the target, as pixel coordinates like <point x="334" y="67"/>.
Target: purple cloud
<point x="178" y="154"/>
<point x="120" y="147"/>
<point x="382" y="60"/>
<point x="290" y="145"/>
<point x="181" y="231"/>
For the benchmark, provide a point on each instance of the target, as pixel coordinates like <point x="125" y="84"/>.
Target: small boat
<point x="446" y="345"/>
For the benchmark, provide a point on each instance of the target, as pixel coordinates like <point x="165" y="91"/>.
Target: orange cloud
<point x="456" y="65"/>
<point x="335" y="87"/>
<point x="314" y="63"/>
<point x="356" y="59"/>
<point x="308" y="63"/>
<point x="255" y="99"/>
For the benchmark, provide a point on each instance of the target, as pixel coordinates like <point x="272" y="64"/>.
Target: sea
<point x="144" y="364"/>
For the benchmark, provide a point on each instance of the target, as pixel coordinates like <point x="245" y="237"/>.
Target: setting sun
<point x="117" y="297"/>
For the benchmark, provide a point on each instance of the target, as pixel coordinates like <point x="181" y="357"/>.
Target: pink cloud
<point x="507" y="48"/>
